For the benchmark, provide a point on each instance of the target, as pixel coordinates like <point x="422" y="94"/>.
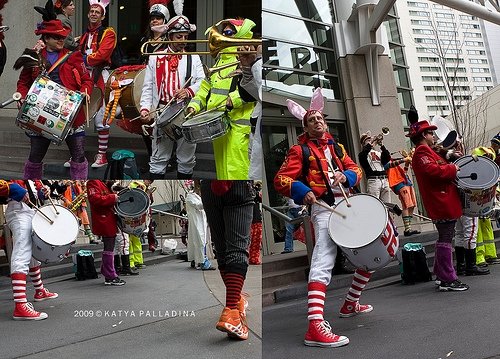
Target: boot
<point x="181" y="175"/>
<point x="33" y="171"/>
<point x="460" y="257"/>
<point x="470" y="264"/>
<point x="340" y="267"/>
<point x="156" y="176"/>
<point x="126" y="270"/>
<point x="79" y="171"/>
<point x="118" y="267"/>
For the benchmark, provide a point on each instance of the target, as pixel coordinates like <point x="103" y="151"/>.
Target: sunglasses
<point x="429" y="132"/>
<point x="228" y="32"/>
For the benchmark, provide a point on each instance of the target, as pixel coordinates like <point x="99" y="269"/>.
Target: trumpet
<point x="380" y="136"/>
<point x="77" y="202"/>
<point x="216" y="43"/>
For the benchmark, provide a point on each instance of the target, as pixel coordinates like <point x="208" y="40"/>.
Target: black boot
<point x="126" y="270"/>
<point x="470" y="264"/>
<point x="181" y="175"/>
<point x="118" y="267"/>
<point x="460" y="257"/>
<point x="340" y="267"/>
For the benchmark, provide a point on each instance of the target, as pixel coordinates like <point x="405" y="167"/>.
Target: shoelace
<point x="326" y="329"/>
<point x="30" y="308"/>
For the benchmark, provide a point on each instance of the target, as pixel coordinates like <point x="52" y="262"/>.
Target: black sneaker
<point x="492" y="260"/>
<point x="456" y="286"/>
<point x="116" y="281"/>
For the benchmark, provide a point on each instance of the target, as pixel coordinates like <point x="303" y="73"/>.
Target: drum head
<point x="480" y="174"/>
<point x="132" y="202"/>
<point x="63" y="231"/>
<point x="171" y="112"/>
<point x="202" y="118"/>
<point x="365" y="221"/>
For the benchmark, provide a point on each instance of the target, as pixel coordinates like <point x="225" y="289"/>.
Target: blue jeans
<point x="290" y="228"/>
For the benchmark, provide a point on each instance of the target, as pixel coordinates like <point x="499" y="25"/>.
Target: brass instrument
<point x="216" y="43"/>
<point x="77" y="202"/>
<point x="380" y="136"/>
<point x="209" y="71"/>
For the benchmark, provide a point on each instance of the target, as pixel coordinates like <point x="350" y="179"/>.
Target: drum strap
<point x="59" y="62"/>
<point x="33" y="198"/>
<point x="329" y="197"/>
<point x="188" y="70"/>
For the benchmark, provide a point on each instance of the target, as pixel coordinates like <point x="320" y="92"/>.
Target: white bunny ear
<point x="295" y="109"/>
<point x="317" y="100"/>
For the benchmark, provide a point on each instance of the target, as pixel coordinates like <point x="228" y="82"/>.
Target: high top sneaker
<point x="43" y="294"/>
<point x="319" y="334"/>
<point x="67" y="164"/>
<point x="100" y="161"/>
<point x="242" y="308"/>
<point x="231" y="323"/>
<point x="25" y="311"/>
<point x="350" y="309"/>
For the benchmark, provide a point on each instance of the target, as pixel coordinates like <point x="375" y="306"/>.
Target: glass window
<point x="318" y="10"/>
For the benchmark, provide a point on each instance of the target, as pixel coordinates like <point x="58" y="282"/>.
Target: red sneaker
<point x="41" y="295"/>
<point x="350" y="309"/>
<point x="320" y="334"/>
<point x="25" y="311"/>
<point x="100" y="160"/>
<point x="231" y="323"/>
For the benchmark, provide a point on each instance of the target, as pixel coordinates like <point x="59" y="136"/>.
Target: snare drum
<point x="52" y="242"/>
<point x="132" y="209"/>
<point x="171" y="119"/>
<point x="367" y="235"/>
<point x="49" y="109"/>
<point x="205" y="127"/>
<point x="477" y="182"/>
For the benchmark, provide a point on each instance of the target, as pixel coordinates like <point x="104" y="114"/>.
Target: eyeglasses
<point x="228" y="32"/>
<point x="180" y="26"/>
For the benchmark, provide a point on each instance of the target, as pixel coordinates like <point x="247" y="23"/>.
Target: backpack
<point x="122" y="166"/>
<point x="85" y="267"/>
<point x="116" y="56"/>
<point x="414" y="266"/>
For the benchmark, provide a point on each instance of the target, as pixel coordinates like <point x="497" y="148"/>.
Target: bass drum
<point x="52" y="242"/>
<point x="130" y="99"/>
<point x="367" y="235"/>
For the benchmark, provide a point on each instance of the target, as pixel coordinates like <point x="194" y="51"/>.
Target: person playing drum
<point x="171" y="77"/>
<point x="321" y="184"/>
<point x="97" y="45"/>
<point x="435" y="178"/>
<point x="102" y="201"/>
<point x="63" y="67"/>
<point x="18" y="195"/>
<point x="231" y="150"/>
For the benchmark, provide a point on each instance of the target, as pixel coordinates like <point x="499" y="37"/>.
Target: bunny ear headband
<point x="102" y="3"/>
<point x="317" y="105"/>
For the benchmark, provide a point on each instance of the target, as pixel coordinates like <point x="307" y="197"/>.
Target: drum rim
<point x="66" y="210"/>
<point x="461" y="183"/>
<point x="135" y="190"/>
<point x="381" y="233"/>
<point x="211" y="116"/>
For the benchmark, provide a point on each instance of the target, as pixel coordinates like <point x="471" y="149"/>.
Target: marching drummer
<point x="321" y="184"/>
<point x="19" y="195"/>
<point x="171" y="78"/>
<point x="63" y="67"/>
<point x="231" y="151"/>
<point x="435" y="178"/>
<point x="102" y="201"/>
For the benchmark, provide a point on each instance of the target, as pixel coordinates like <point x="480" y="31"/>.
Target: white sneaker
<point x="67" y="164"/>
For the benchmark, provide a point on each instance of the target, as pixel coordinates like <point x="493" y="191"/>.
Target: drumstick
<point x="340" y="185"/>
<point x="207" y="111"/>
<point x="87" y="108"/>
<point x="43" y="214"/>
<point x="53" y="205"/>
<point x="168" y="103"/>
<point x="330" y="209"/>
<point x="423" y="217"/>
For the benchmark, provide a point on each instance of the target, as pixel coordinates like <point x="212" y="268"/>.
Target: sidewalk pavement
<point x="168" y="311"/>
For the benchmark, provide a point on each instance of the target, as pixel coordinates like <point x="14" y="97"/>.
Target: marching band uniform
<point x="435" y="178"/>
<point x="102" y="201"/>
<point x="19" y="216"/>
<point x="97" y="57"/>
<point x="70" y="73"/>
<point x="324" y="153"/>
<point x="231" y="150"/>
<point x="165" y="76"/>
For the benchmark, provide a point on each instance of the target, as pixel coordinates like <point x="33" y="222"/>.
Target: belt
<point x="376" y="177"/>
